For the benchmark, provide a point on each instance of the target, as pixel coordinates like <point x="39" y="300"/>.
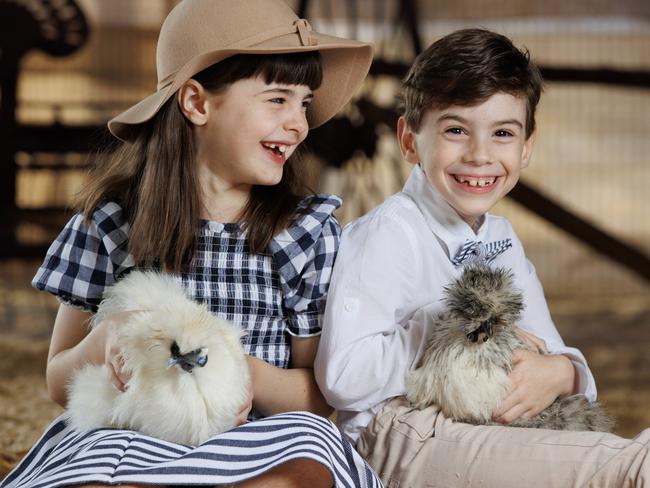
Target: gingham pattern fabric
<point x="273" y="296"/>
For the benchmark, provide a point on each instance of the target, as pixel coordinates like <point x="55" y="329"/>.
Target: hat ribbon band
<point x="300" y="27"/>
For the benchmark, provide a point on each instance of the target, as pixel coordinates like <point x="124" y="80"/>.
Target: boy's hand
<point x="537" y="380"/>
<point x="535" y="343"/>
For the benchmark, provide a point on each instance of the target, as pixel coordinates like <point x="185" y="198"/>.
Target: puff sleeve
<point x="86" y="258"/>
<point x="304" y="255"/>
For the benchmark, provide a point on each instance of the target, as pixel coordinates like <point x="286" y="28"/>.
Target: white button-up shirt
<point x="387" y="287"/>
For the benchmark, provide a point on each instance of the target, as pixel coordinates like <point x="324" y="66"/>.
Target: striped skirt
<point x="63" y="457"/>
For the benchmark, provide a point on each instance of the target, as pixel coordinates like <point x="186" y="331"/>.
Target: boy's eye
<point x="306" y="104"/>
<point x="503" y="133"/>
<point x="279" y="100"/>
<point x="455" y="130"/>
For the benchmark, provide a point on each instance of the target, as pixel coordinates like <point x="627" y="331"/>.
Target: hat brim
<point x="345" y="65"/>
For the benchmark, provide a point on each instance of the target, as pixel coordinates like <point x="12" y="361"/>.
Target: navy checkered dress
<point x="273" y="296"/>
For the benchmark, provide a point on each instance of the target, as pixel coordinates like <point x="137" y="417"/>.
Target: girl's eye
<point x="503" y="133"/>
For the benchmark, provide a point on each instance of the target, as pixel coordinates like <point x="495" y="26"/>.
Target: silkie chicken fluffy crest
<point x="189" y="377"/>
<point x="464" y="370"/>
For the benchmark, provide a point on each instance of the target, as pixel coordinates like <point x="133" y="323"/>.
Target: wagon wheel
<point x="57" y="27"/>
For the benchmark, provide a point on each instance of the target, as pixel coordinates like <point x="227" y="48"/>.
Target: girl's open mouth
<point x="277" y="151"/>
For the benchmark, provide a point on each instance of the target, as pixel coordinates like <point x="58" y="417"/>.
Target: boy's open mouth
<point x="476" y="182"/>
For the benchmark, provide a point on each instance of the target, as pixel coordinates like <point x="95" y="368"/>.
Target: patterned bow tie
<point x="477" y="252"/>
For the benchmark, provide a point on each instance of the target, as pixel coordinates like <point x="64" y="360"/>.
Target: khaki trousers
<point x="421" y="448"/>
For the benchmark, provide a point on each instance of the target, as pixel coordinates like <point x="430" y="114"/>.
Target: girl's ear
<point x="193" y="102"/>
<point x="406" y="139"/>
<point x="527" y="150"/>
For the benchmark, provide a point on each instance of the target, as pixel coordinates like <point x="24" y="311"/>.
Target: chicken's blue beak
<point x="189" y="360"/>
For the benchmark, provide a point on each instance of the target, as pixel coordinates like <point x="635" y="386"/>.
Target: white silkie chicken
<point x="464" y="370"/>
<point x="189" y="377"/>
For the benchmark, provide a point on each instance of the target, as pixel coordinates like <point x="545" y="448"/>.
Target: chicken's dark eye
<point x="473" y="336"/>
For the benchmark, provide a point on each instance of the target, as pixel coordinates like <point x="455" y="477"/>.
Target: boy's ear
<point x="406" y="139"/>
<point x="527" y="150"/>
<point x="193" y="102"/>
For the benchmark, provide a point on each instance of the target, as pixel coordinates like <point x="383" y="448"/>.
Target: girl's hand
<point x="242" y="416"/>
<point x="112" y="349"/>
<point x="537" y="380"/>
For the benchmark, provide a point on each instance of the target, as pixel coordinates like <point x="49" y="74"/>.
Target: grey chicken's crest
<point x="464" y="370"/>
<point x="483" y="294"/>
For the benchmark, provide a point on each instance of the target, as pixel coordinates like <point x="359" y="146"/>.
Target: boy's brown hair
<point x="467" y="67"/>
<point x="154" y="178"/>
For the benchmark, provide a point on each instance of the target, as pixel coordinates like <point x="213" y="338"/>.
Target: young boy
<point x="468" y="127"/>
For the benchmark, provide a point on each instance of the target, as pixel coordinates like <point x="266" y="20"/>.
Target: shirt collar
<point x="441" y="218"/>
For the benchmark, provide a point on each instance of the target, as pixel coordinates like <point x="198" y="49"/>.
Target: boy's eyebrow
<point x="463" y="120"/>
<point x="510" y="122"/>
<point x="286" y="91"/>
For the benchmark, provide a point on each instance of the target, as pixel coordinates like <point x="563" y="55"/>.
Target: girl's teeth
<point x="280" y="148"/>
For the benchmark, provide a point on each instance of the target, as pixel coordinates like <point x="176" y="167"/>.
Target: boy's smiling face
<point x="472" y="155"/>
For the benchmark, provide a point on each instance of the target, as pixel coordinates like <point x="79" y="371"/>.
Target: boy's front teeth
<point x="476" y="181"/>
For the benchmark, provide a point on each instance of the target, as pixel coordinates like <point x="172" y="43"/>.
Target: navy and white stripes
<point x="477" y="252"/>
<point x="63" y="457"/>
<point x="273" y="296"/>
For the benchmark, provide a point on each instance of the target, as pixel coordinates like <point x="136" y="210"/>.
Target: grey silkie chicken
<point x="464" y="370"/>
<point x="189" y="377"/>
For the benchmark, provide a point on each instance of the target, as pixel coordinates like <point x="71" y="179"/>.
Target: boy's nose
<point x="477" y="152"/>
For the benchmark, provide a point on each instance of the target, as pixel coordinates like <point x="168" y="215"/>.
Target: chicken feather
<point x="189" y="377"/>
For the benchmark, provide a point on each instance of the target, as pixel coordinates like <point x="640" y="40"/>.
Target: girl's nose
<point x="297" y="122"/>
<point x="477" y="152"/>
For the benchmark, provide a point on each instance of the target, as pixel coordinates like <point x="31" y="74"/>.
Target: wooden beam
<point x="579" y="228"/>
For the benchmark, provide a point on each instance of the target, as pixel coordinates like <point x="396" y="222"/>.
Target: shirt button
<point x="349" y="307"/>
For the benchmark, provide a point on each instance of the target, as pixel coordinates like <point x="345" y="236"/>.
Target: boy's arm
<point x="536" y="319"/>
<point x="364" y="350"/>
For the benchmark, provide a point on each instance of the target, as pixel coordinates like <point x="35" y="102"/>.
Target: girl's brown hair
<point x="155" y="182"/>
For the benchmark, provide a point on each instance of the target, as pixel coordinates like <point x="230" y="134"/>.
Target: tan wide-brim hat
<point x="199" y="33"/>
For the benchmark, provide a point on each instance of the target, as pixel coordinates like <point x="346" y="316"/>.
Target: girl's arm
<point x="73" y="344"/>
<point x="278" y="390"/>
<point x="70" y="347"/>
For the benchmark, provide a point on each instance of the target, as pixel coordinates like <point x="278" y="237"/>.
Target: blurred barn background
<point x="582" y="208"/>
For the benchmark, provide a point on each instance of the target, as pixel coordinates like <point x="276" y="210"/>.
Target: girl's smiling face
<point x="250" y="130"/>
<point x="472" y="155"/>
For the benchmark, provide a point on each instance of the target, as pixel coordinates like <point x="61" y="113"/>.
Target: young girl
<point x="205" y="187"/>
